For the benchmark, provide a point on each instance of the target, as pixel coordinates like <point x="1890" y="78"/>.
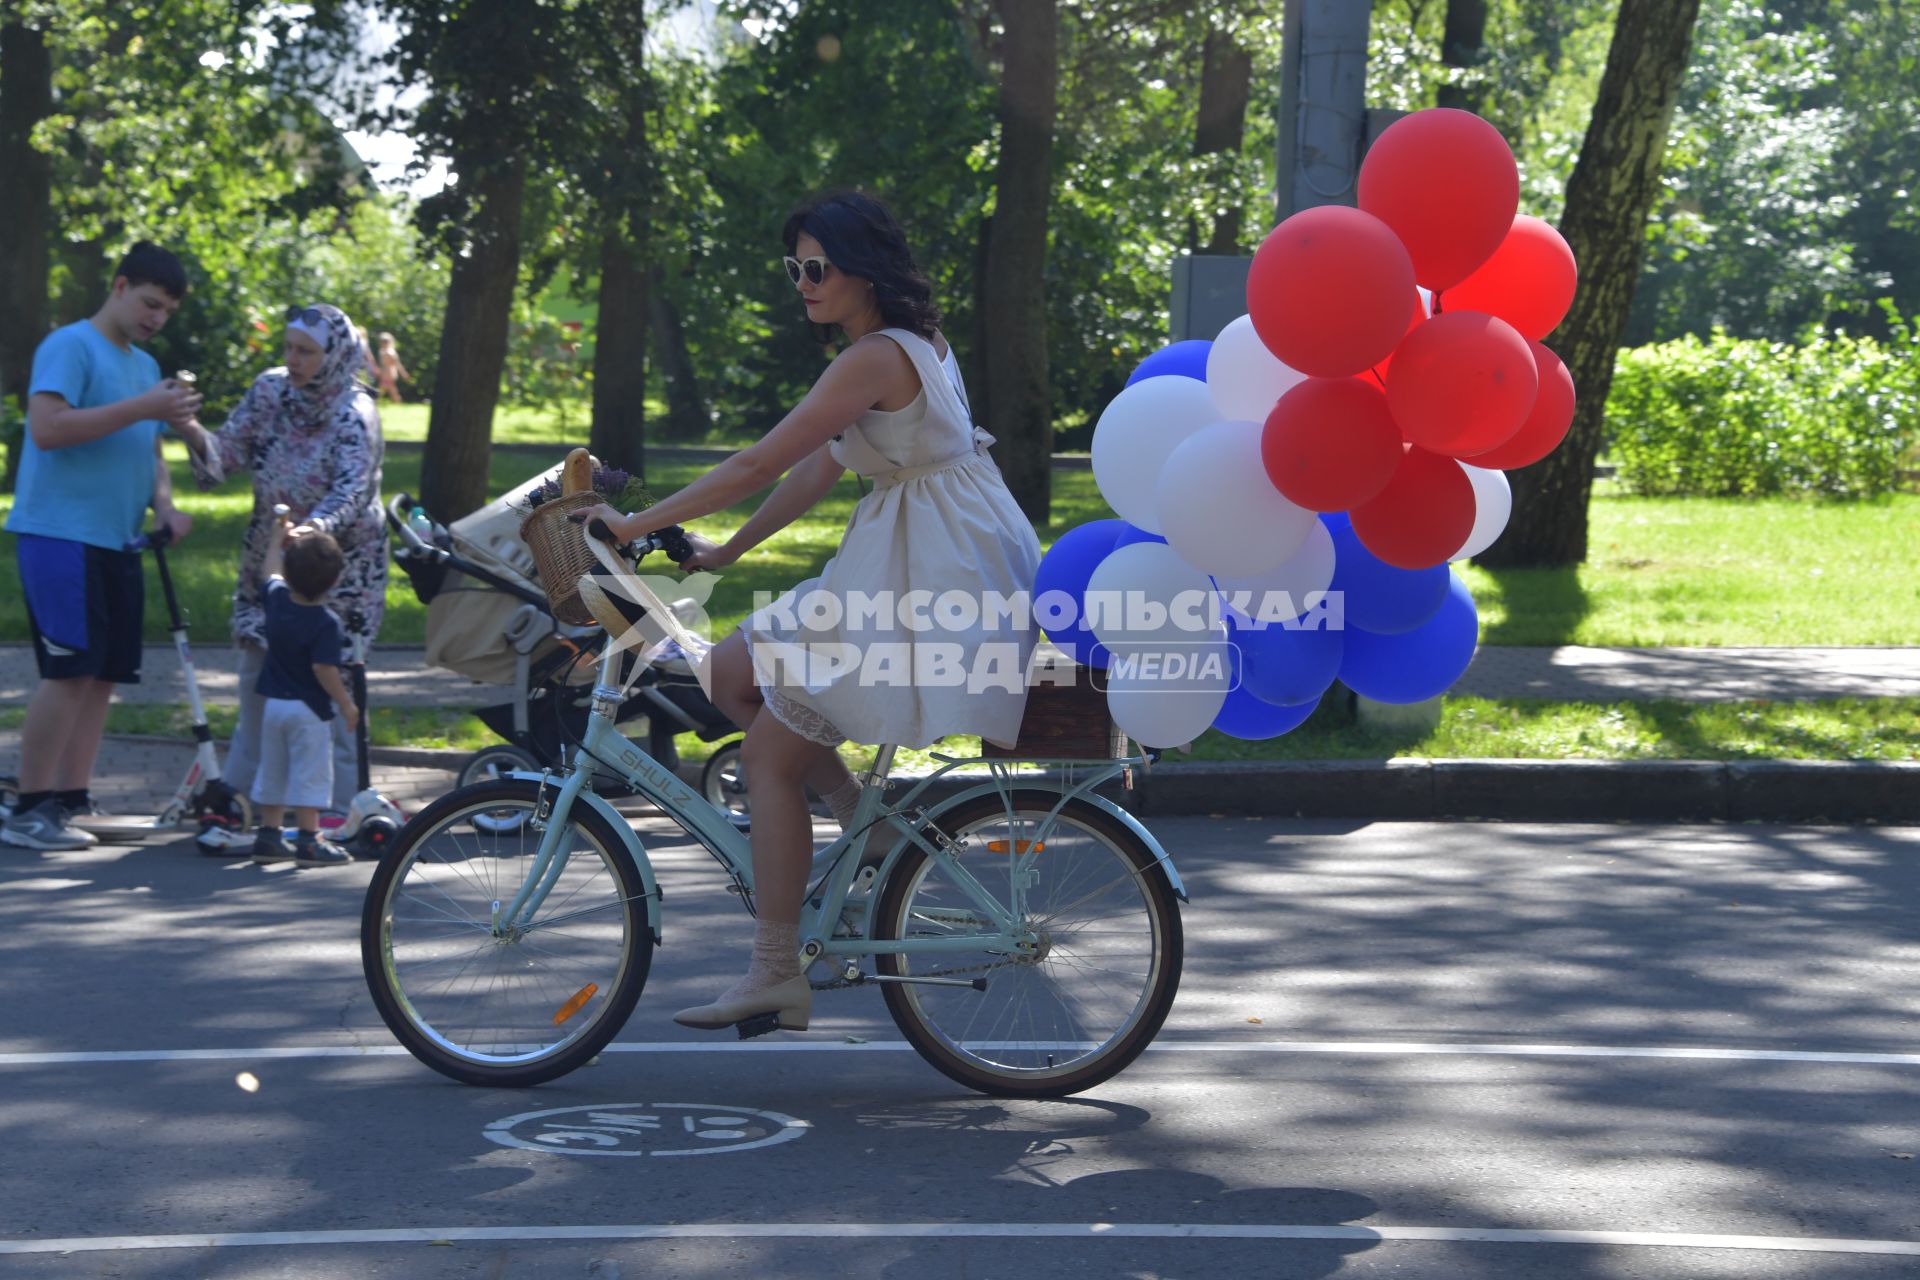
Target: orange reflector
<point x="574" y="1005"/>
<point x="1019" y="846"/>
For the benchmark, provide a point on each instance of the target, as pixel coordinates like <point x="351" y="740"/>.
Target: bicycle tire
<point x="913" y="1007"/>
<point x="626" y="972"/>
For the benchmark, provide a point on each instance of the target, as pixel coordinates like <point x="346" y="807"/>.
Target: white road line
<point x="935" y="1230"/>
<point x="1365" y="1048"/>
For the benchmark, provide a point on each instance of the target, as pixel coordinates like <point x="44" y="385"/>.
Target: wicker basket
<point x="1066" y="718"/>
<point x="561" y="554"/>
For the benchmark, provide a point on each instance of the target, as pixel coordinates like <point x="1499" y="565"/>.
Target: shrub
<point x="1837" y="416"/>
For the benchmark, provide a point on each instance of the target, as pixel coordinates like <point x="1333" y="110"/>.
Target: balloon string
<point x="1375" y="375"/>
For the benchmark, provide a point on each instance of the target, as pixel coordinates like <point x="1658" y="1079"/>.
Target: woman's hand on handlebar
<point x="707" y="555"/>
<point x="614" y="520"/>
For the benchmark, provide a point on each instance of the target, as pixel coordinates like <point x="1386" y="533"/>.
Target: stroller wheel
<point x="724" y="782"/>
<point x="489" y="764"/>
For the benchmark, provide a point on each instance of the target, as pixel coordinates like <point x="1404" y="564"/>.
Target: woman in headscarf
<point x="310" y="434"/>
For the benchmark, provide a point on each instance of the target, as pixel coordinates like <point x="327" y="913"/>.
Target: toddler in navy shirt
<point x="302" y="687"/>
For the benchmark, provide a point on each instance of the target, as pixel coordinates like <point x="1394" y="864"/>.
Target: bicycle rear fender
<point x="635" y="850"/>
<point x="1161" y="857"/>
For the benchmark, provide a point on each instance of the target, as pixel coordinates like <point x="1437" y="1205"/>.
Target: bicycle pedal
<point x="758" y="1025"/>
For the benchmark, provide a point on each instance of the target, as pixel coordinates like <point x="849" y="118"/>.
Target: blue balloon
<point x="1186" y="359"/>
<point x="1245" y="716"/>
<point x="1418" y="664"/>
<point x="1378" y="597"/>
<point x="1066" y="567"/>
<point x="1283" y="667"/>
<point x="1134" y="533"/>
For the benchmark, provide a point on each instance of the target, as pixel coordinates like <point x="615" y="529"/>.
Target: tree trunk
<point x="620" y="355"/>
<point x="619" y="436"/>
<point x="473" y="342"/>
<point x="26" y="98"/>
<point x="1020" y="410"/>
<point x="1612" y="190"/>
<point x="1463" y="44"/>
<point x="980" y="395"/>
<point x="687" y="416"/>
<point x="1226" y="82"/>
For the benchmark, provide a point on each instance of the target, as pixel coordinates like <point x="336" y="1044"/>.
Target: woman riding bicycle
<point x="856" y="653"/>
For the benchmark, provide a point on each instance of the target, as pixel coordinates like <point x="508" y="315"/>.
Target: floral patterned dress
<point x="318" y="449"/>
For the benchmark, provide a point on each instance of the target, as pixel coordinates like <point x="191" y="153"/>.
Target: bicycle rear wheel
<point x="1095" y="985"/>
<point x="501" y="1006"/>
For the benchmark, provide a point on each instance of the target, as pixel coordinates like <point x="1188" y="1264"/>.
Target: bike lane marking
<point x="1369" y="1048"/>
<point x="645" y="1129"/>
<point x="976" y="1230"/>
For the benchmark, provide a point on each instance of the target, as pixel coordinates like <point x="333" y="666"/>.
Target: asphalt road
<point x="1399" y="1050"/>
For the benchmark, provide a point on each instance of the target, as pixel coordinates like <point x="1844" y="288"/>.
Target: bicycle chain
<point x="841" y="984"/>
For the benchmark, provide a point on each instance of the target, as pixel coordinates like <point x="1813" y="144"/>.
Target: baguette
<point x="577" y="475"/>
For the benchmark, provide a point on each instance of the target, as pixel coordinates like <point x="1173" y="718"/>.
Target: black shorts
<point x="84" y="606"/>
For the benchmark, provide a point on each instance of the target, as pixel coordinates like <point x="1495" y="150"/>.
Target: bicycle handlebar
<point x="672" y="539"/>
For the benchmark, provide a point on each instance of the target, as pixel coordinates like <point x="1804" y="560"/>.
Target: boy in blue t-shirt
<point x="301" y="684"/>
<point x="90" y="467"/>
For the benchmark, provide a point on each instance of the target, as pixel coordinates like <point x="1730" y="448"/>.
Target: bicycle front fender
<point x="1161" y="857"/>
<point x="635" y="850"/>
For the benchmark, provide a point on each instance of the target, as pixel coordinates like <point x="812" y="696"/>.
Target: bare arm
<point x="276" y="561"/>
<point x="852" y="384"/>
<point x="329" y="677"/>
<point x="805" y="485"/>
<point x="55" y="424"/>
<point x="171" y="518"/>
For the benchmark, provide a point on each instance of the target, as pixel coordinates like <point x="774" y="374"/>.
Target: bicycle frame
<point x="603" y="746"/>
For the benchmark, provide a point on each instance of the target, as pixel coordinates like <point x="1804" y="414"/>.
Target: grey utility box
<point x="1208" y="294"/>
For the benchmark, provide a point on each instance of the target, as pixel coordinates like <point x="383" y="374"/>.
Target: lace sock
<point x="776" y="958"/>
<point x="843" y="799"/>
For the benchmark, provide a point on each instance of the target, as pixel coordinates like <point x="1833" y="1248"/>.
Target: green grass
<point x="1664" y="571"/>
<point x="1470" y="728"/>
<point x="512" y="424"/>
<point x="1712" y="571"/>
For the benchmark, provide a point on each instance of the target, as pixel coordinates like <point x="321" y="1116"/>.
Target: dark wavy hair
<point x="862" y="238"/>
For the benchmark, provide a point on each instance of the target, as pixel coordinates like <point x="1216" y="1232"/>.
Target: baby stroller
<point x="488" y="619"/>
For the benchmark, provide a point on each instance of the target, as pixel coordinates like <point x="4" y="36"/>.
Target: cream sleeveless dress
<point x="940" y="522"/>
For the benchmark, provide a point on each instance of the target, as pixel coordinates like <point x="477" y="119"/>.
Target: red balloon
<point x="1423" y="515"/>
<point x="1413" y="322"/>
<point x="1528" y="282"/>
<point x="1462" y="383"/>
<point x="1445" y="182"/>
<point x="1329" y="291"/>
<point x="1546" y="426"/>
<point x="1330" y="444"/>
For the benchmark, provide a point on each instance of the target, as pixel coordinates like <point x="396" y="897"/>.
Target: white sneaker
<point x="44" y="827"/>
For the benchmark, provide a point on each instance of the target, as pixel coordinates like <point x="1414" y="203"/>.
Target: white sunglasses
<point x="814" y="268"/>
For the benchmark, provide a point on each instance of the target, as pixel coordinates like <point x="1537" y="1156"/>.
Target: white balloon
<point x="1492" y="508"/>
<point x="1288" y="584"/>
<point x="1168" y="698"/>
<point x="1219" y="510"/>
<point x="1246" y="379"/>
<point x="1140" y="427"/>
<point x="1161" y="599"/>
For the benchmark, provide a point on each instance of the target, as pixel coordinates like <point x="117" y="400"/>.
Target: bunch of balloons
<point x="1315" y="469"/>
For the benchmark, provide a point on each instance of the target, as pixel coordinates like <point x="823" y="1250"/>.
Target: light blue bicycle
<point x="1025" y="932"/>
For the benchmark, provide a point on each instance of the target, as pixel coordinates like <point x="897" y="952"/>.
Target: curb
<point x="1783" y="791"/>
<point x="1418" y="790"/>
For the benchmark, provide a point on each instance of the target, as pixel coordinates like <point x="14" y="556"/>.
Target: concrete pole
<point x="1323" y="116"/>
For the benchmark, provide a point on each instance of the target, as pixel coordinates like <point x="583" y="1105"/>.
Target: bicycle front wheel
<point x="484" y="1000"/>
<point x="1093" y="984"/>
